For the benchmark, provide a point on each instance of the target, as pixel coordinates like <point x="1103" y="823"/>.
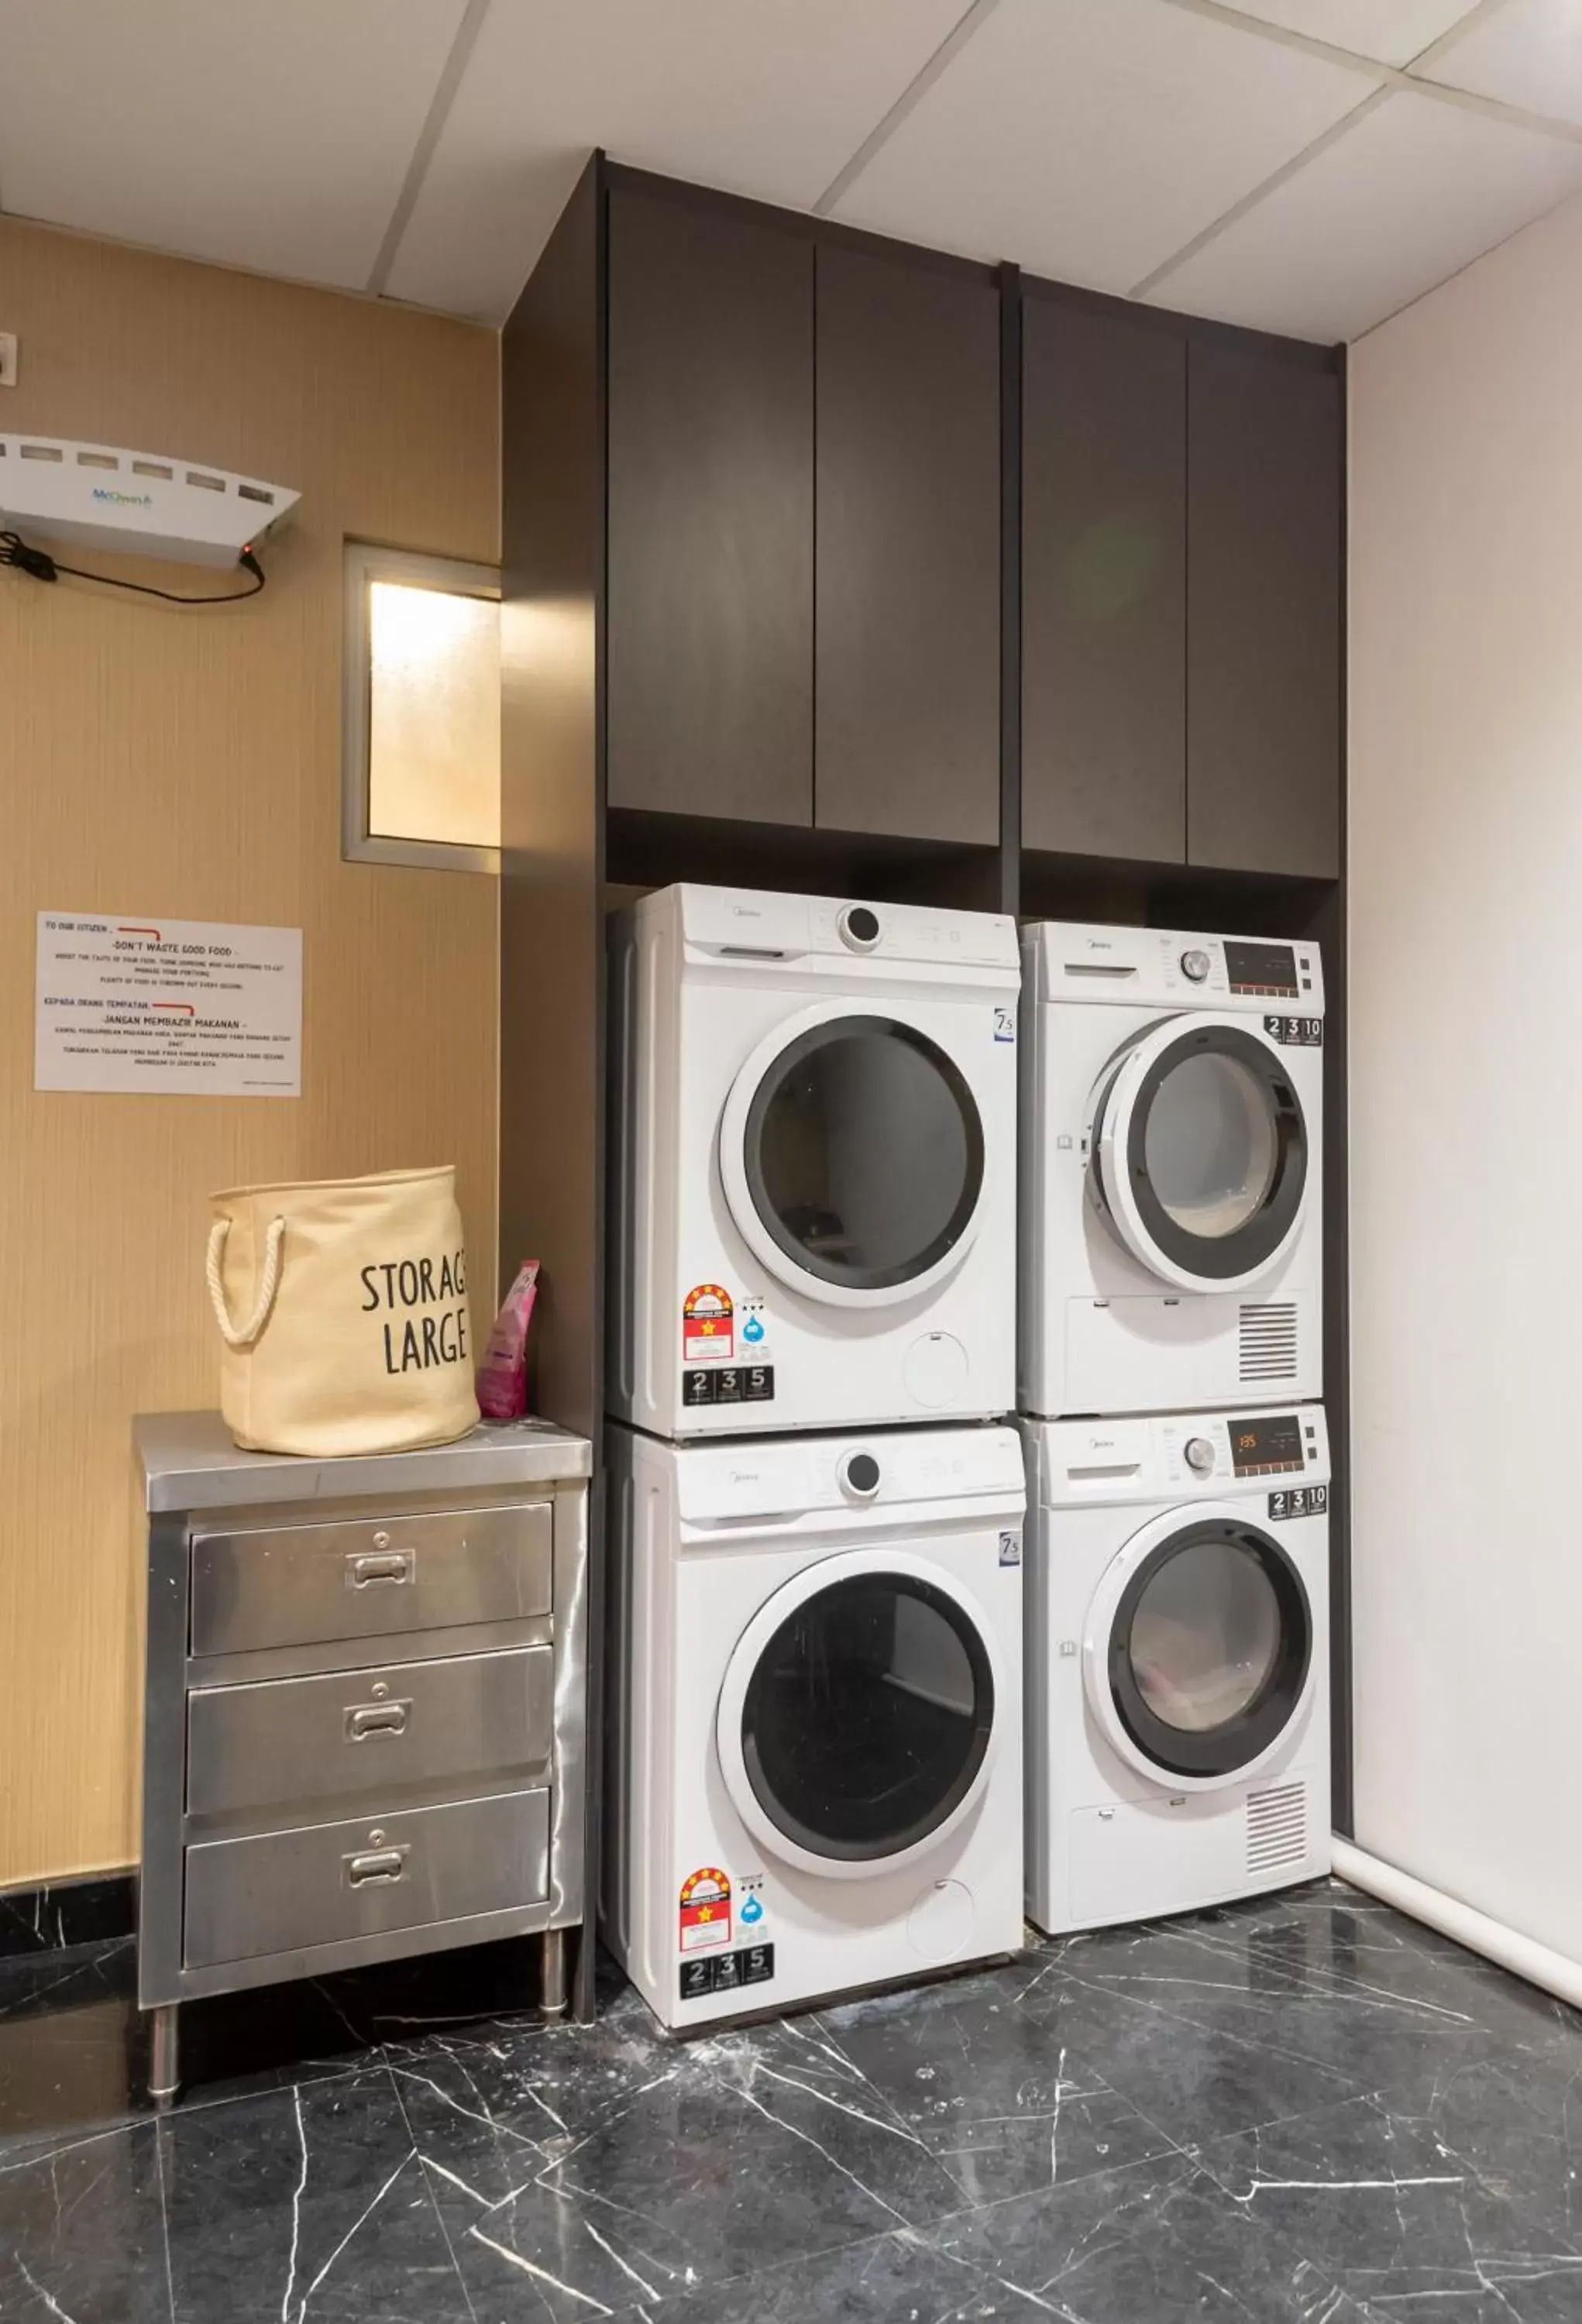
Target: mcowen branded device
<point x="141" y="503"/>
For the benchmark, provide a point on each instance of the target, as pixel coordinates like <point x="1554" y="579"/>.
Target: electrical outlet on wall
<point x="7" y="359"/>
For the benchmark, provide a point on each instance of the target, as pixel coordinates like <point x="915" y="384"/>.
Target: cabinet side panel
<point x="551" y="862"/>
<point x="551" y="936"/>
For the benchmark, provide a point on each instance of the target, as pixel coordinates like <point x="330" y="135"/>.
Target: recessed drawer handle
<point x="397" y="1565"/>
<point x="382" y="1863"/>
<point x="376" y="1719"/>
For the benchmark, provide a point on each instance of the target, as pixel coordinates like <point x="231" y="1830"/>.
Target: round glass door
<point x="861" y="1717"/>
<point x="1208" y="1650"/>
<point x="862" y="1152"/>
<point x="1201" y="1150"/>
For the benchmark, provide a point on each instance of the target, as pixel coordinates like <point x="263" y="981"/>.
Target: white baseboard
<point x="1523" y="1956"/>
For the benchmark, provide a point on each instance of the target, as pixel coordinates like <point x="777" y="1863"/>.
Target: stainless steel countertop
<point x="190" y="1462"/>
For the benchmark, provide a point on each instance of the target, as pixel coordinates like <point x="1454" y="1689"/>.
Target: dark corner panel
<point x="1265" y="487"/>
<point x="551" y="934"/>
<point x="1104" y="578"/>
<point x="551" y="831"/>
<point x="711" y="508"/>
<point x="908" y="582"/>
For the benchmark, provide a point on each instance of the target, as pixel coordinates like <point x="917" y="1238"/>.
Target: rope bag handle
<point x="243" y="1335"/>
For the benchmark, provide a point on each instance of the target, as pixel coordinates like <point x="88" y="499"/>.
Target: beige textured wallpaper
<point x="188" y="764"/>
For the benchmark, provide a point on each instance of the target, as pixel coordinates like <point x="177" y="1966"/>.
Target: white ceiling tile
<point x="768" y="97"/>
<point x="1528" y="53"/>
<point x="274" y="136"/>
<point x="1089" y="139"/>
<point x="1392" y="30"/>
<point x="1404" y="198"/>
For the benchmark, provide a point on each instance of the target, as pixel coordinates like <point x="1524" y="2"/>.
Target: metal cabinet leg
<point x="555" y="1991"/>
<point x="164" y="2073"/>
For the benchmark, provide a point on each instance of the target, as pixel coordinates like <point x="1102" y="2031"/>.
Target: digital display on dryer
<point x="1261" y="968"/>
<point x="1266" y="1448"/>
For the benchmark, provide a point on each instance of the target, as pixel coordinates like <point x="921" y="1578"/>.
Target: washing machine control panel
<point x="1209" y="1455"/>
<point x="1070" y="961"/>
<point x="750" y="928"/>
<point x="782" y="1478"/>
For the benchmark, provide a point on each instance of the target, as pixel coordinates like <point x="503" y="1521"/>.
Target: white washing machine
<point x="1178" y="1665"/>
<point x="815" y="1767"/>
<point x="1172" y="1158"/>
<point x="813" y="1162"/>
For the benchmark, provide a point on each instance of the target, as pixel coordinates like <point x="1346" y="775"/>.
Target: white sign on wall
<point x="193" y="1007"/>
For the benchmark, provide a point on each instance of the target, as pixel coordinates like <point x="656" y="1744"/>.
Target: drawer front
<point x="324" y="1883"/>
<point x="295" y="1585"/>
<point x="369" y="1731"/>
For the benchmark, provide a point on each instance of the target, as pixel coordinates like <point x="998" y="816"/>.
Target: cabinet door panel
<point x="710" y="613"/>
<point x="907" y="683"/>
<point x="1103" y="566"/>
<point x="1263" y="683"/>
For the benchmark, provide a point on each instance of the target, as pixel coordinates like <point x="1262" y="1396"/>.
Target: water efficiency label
<point x="181" y="1007"/>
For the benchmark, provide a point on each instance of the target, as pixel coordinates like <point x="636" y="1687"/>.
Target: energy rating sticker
<point x="707" y="1326"/>
<point x="705" y="1909"/>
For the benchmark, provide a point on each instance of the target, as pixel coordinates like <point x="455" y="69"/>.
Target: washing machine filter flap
<point x="1199" y="1151"/>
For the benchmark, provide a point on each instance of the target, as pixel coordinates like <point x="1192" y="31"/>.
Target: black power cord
<point x="15" y="551"/>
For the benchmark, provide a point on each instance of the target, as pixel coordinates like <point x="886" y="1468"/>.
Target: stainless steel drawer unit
<point x="365" y="1708"/>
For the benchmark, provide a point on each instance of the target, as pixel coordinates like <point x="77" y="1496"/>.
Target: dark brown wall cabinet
<point x="907" y="628"/>
<point x="711" y="645"/>
<point x="1104" y="581"/>
<point x="1181" y="539"/>
<point x="804" y="524"/>
<point x="1263" y="581"/>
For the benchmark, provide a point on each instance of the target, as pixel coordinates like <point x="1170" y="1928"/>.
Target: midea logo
<point x="123" y="500"/>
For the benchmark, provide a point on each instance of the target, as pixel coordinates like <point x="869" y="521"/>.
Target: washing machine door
<point x="1199" y="1651"/>
<point x="857" y="1721"/>
<point x="1199" y="1152"/>
<point x="851" y="1151"/>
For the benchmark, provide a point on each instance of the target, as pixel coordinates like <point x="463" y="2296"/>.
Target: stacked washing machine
<point x="1170" y="1372"/>
<point x="816" y="1512"/>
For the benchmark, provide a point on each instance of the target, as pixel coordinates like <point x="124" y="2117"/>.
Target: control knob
<point x="859" y="927"/>
<point x="1195" y="965"/>
<point x="859" y="1473"/>
<point x="1199" y="1456"/>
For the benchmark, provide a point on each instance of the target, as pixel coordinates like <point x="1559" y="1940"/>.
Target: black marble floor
<point x="1306" y="2108"/>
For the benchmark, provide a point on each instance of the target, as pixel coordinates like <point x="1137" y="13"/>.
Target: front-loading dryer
<point x="1172" y="1214"/>
<point x="1178" y="1670"/>
<point x="813" y="1162"/>
<point x="815" y="1767"/>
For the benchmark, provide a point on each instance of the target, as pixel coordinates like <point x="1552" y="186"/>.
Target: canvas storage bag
<point x="342" y="1307"/>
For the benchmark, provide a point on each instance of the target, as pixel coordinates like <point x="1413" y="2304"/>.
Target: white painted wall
<point x="1466" y="905"/>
